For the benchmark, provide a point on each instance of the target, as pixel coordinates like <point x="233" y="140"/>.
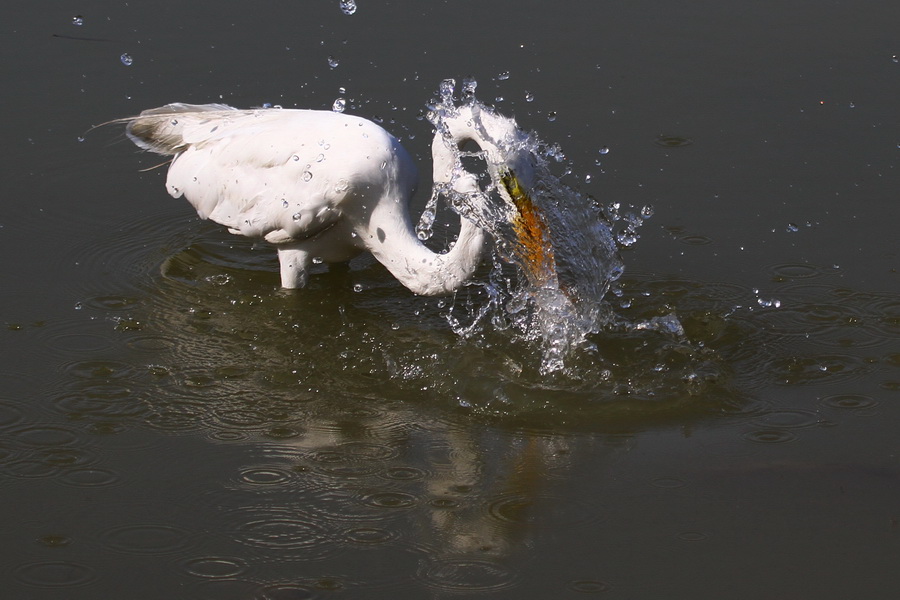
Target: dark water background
<point x="173" y="426"/>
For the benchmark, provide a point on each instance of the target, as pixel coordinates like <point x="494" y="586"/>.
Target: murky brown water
<point x="174" y="426"/>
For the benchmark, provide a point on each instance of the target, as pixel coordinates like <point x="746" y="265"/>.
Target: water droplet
<point x="769" y="303"/>
<point x="80" y="138"/>
<point x="587" y="178"/>
<point x="647" y="211"/>
<point x="284" y="203"/>
<point x="126" y="59"/>
<point x="446" y="89"/>
<point x="297" y="216"/>
<point x="529" y="97"/>
<point x="339" y="105"/>
<point x="320" y="158"/>
<point x="295" y="158"/>
<point x="896" y="58"/>
<point x="603" y="150"/>
<point x="78" y="20"/>
<point x="503" y="76"/>
<point x="348" y="7"/>
<point x="317" y="260"/>
<point x="357" y="287"/>
<point x="792" y="227"/>
<point x="79" y="306"/>
<point x="627" y="237"/>
<point x="333" y="62"/>
<point x="551" y="116"/>
<point x="306" y="176"/>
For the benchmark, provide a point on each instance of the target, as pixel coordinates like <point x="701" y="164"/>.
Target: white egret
<point x="325" y="186"/>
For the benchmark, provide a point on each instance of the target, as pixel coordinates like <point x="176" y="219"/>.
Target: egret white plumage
<point x="322" y="185"/>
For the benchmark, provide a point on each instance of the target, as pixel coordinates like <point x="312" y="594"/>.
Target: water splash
<point x="563" y="243"/>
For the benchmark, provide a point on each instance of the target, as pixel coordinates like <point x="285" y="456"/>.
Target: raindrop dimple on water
<point x="126" y="59"/>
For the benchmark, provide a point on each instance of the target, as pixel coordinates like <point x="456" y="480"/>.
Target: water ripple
<point x="90" y="477"/>
<point x="788" y="419"/>
<point x="146" y="539"/>
<point x="543" y="508"/>
<point x="770" y="436"/>
<point x="369" y="535"/>
<point x="55" y="574"/>
<point x="389" y="500"/>
<point x="852" y="402"/>
<point x="818" y="368"/>
<point x="264" y="476"/>
<point x="282" y="532"/>
<point x="467" y="575"/>
<point x="10" y="414"/>
<point x="589" y="586"/>
<point x="287" y="591"/>
<point x="44" y="435"/>
<point x="214" y="567"/>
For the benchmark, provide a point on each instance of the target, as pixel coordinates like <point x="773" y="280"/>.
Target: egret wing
<point x="258" y="172"/>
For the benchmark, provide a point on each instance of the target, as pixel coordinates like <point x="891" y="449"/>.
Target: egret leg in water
<point x="323" y="186"/>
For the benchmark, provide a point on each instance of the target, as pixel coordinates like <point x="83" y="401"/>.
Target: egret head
<point x="510" y="212"/>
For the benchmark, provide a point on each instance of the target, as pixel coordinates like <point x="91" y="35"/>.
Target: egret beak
<point x="533" y="248"/>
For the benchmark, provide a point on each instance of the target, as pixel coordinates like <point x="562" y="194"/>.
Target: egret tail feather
<point x="161" y="129"/>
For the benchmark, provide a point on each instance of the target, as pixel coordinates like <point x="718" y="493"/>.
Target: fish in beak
<point x="532" y="248"/>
